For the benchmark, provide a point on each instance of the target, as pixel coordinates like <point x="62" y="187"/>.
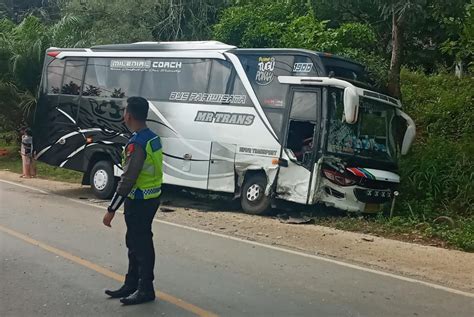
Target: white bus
<point x="263" y="124"/>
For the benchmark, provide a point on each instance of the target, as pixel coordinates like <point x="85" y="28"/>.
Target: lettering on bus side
<point x="203" y="97"/>
<point x="257" y="151"/>
<point x="172" y="65"/>
<point x="266" y="66"/>
<point x="302" y="67"/>
<point x="145" y="65"/>
<point x="225" y="118"/>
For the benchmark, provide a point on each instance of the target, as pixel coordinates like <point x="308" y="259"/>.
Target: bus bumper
<point x="354" y="198"/>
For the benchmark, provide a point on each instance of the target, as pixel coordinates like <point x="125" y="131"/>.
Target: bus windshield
<point x="372" y="138"/>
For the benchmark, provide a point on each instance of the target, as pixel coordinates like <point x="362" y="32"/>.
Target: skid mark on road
<point x="99" y="269"/>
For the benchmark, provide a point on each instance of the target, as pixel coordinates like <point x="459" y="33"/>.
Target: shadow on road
<point x="204" y="201"/>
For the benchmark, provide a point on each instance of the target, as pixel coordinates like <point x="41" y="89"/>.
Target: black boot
<point x="124" y="291"/>
<point x="139" y="297"/>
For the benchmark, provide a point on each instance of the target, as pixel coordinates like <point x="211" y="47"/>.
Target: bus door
<point x="300" y="144"/>
<point x="222" y="167"/>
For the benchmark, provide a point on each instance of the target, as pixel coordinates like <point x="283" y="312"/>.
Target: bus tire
<point x="253" y="198"/>
<point x="102" y="179"/>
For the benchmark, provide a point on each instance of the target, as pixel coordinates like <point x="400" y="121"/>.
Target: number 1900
<point x="302" y="67"/>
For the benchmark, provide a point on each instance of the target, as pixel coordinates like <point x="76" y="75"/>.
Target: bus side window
<point x="239" y="89"/>
<point x="54" y="76"/>
<point x="304" y="106"/>
<point x="102" y="80"/>
<point x="72" y="80"/>
<point x="224" y="80"/>
<point x="94" y="82"/>
<point x="219" y="77"/>
<point x="68" y="104"/>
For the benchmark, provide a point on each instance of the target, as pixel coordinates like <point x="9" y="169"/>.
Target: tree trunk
<point x="395" y="62"/>
<point x="458" y="68"/>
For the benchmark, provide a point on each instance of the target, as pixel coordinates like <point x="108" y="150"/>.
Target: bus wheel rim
<point x="100" y="179"/>
<point x="253" y="192"/>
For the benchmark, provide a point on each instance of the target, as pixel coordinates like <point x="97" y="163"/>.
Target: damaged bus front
<point x="348" y="147"/>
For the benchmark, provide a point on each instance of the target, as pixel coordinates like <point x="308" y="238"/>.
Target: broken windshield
<point x="371" y="137"/>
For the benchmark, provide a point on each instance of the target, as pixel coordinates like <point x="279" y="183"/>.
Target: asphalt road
<point x="57" y="258"/>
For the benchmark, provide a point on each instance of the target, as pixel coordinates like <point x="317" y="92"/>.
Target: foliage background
<point x="437" y="37"/>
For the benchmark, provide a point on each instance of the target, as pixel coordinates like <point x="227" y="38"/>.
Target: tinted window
<point x="181" y="80"/>
<point x="276" y="120"/>
<point x="224" y="81"/>
<point x="263" y="71"/>
<point x="176" y="79"/>
<point x="346" y="70"/>
<point x="304" y="106"/>
<point x="219" y="79"/>
<point x="195" y="81"/>
<point x="55" y="76"/>
<point x="72" y="80"/>
<point x="103" y="80"/>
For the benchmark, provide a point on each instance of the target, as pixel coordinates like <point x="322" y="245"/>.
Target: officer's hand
<point x="108" y="218"/>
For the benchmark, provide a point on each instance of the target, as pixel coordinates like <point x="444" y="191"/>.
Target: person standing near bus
<point x="139" y="189"/>
<point x="26" y="151"/>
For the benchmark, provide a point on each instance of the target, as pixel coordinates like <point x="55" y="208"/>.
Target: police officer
<point x="139" y="189"/>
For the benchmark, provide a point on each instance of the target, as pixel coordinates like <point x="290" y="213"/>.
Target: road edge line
<point x="24" y="186"/>
<point x="286" y="250"/>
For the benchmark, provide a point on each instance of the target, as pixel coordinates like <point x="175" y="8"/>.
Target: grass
<point x="409" y="229"/>
<point x="12" y="162"/>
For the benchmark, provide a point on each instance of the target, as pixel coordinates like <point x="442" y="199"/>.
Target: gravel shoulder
<point x="450" y="268"/>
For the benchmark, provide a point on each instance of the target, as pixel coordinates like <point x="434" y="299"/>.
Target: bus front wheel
<point x="102" y="179"/>
<point x="253" y="198"/>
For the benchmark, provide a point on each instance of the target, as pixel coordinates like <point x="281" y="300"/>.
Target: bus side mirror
<point x="410" y="133"/>
<point x="351" y="105"/>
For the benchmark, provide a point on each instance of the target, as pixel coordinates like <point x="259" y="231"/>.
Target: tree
<point x="117" y="21"/>
<point x="22" y="50"/>
<point x="17" y="10"/>
<point x="277" y="24"/>
<point x="400" y="12"/>
<point x="460" y="43"/>
<point x="254" y="25"/>
<point x="186" y="20"/>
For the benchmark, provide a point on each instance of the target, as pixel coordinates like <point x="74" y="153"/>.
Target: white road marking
<point x="306" y="255"/>
<point x="24" y="186"/>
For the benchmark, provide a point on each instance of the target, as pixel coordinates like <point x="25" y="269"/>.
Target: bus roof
<point x="202" y="45"/>
<point x="338" y="66"/>
<point x="165" y="46"/>
<point x="297" y="50"/>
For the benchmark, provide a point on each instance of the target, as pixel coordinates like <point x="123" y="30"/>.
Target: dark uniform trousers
<point x="139" y="214"/>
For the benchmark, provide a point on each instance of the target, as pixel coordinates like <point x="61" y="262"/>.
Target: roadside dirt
<point x="446" y="267"/>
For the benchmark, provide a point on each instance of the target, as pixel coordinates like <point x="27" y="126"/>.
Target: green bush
<point x="438" y="178"/>
<point x="438" y="175"/>
<point x="442" y="105"/>
<point x="461" y="236"/>
<point x="262" y="25"/>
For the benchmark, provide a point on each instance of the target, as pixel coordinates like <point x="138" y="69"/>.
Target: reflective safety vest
<point x="148" y="184"/>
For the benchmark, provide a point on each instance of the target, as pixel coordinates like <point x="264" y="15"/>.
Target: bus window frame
<point x="319" y="119"/>
<point x="79" y="96"/>
<point x="46" y="85"/>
